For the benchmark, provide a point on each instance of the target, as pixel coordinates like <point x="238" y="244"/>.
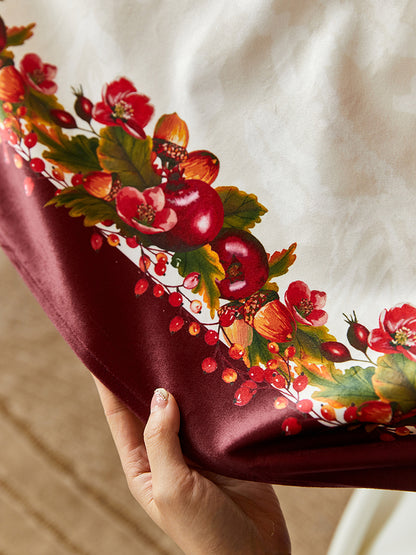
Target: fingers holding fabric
<point x="151" y="456"/>
<point x="127" y="431"/>
<point x="170" y="473"/>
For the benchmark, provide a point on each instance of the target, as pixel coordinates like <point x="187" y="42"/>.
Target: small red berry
<point x="58" y="174"/>
<point x="229" y="375"/>
<point x="96" y="241"/>
<point x="209" y="365"/>
<point x="30" y="140"/>
<point x="191" y="280"/>
<point x="107" y="223"/>
<point x="37" y="165"/>
<point x="162" y="257"/>
<point x="280" y="403"/>
<point x="113" y="240"/>
<point x="158" y="290"/>
<point x="28" y="185"/>
<point x="300" y="383"/>
<point x="194" y="328"/>
<point x="77" y="179"/>
<point x="350" y="414"/>
<point x="176" y="324"/>
<point x="13" y="138"/>
<point x="335" y="352"/>
<point x="21" y="111"/>
<point x="63" y="119"/>
<point x="291" y="426"/>
<point x="141" y="287"/>
<point x="250" y="384"/>
<point x="275" y="379"/>
<point x="7" y="107"/>
<point x="175" y="299"/>
<point x="160" y="268"/>
<point x="144" y="262"/>
<point x="132" y="242"/>
<point x="305" y="405"/>
<point x="236" y="351"/>
<point x="18" y="161"/>
<point x="328" y="412"/>
<point x="9" y="122"/>
<point x="242" y="396"/>
<point x="211" y="337"/>
<point x="196" y="306"/>
<point x="227" y="316"/>
<point x="272" y="364"/>
<point x="256" y="373"/>
<point x="290" y="352"/>
<point x="273" y="347"/>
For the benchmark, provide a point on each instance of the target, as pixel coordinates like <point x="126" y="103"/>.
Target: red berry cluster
<point x="157" y="260"/>
<point x="12" y="131"/>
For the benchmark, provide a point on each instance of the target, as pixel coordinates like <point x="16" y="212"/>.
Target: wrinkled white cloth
<point x="376" y="523"/>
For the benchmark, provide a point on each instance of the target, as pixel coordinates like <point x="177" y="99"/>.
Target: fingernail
<point x="159" y="399"/>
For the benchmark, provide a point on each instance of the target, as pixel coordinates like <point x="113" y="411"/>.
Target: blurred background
<point x="62" y="491"/>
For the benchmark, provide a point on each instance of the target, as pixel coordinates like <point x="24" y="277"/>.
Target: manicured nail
<point x="159" y="399"/>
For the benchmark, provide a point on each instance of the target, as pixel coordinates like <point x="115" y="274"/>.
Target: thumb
<point x="163" y="448"/>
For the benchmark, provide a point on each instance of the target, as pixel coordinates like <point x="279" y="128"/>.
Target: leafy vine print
<point x="196" y="246"/>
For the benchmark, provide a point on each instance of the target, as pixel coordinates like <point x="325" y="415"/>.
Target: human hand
<point x="204" y="513"/>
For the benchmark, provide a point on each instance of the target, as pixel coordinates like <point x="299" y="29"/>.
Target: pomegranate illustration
<point x="199" y="211"/>
<point x="245" y="263"/>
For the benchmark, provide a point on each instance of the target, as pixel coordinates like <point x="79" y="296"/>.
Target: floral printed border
<point x="153" y="194"/>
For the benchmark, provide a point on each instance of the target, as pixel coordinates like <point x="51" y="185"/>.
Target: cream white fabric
<point x="376" y="523"/>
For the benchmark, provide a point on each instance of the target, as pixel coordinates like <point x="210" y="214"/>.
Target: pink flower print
<point x="145" y="210"/>
<point x="123" y="106"/>
<point x="38" y="75"/>
<point x="306" y="305"/>
<point x="397" y="331"/>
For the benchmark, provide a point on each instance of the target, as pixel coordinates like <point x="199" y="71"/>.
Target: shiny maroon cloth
<point x="126" y="343"/>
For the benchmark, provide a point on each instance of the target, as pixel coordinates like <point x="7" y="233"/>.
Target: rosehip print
<point x="357" y="334"/>
<point x="123" y="106"/>
<point x="145" y="211"/>
<point x="397" y="331"/>
<point x="306" y="305"/>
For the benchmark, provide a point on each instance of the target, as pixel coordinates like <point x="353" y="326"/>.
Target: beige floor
<point x="61" y="487"/>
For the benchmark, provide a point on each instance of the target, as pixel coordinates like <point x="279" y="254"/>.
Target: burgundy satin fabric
<point x="126" y="343"/>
